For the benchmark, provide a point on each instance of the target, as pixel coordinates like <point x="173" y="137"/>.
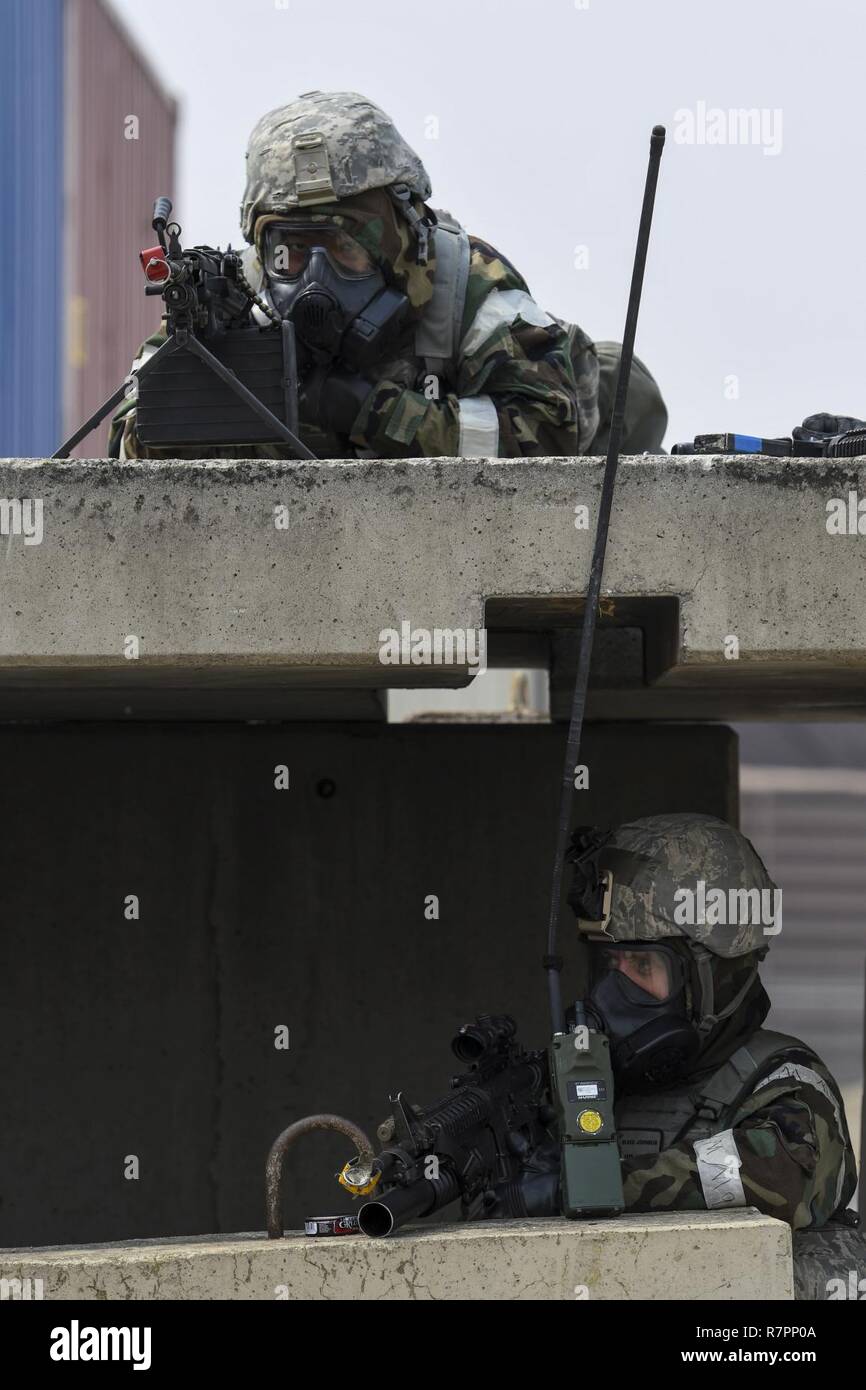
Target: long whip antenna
<point x="553" y="962"/>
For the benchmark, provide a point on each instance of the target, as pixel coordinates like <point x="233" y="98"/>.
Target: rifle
<point x="468" y="1146"/>
<point x="471" y="1144"/>
<point x="493" y="1144"/>
<point x="213" y="341"/>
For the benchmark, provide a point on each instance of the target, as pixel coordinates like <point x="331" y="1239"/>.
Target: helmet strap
<point x="708" y="1019"/>
<point x="420" y="227"/>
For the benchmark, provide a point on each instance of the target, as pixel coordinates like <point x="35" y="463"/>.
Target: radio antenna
<point x="552" y="962"/>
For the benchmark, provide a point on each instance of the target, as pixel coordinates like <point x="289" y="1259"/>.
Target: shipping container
<point x="87" y="134"/>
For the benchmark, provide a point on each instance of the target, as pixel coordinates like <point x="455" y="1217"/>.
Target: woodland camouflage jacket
<point x="792" y="1141"/>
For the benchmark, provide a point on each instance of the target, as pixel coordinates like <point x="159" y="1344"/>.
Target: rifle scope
<point x="488" y="1033"/>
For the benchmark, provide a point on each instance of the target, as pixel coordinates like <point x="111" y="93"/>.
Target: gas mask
<point x="336" y="296"/>
<point x="638" y="998"/>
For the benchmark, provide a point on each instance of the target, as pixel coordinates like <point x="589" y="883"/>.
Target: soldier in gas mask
<point x="415" y="339"/>
<point x="713" y="1110"/>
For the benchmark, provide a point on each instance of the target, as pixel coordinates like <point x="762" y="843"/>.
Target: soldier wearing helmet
<point x="415" y="338"/>
<point x="712" y="1110"/>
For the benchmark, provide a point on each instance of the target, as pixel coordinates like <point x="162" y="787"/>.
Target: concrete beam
<point x="680" y="1256"/>
<point x="226" y="592"/>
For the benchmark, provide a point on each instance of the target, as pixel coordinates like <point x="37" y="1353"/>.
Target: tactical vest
<point x="647" y="1124"/>
<point x="439" y="331"/>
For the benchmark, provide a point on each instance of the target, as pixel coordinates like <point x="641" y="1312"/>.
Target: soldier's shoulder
<point x="492" y="265"/>
<point x="787" y="1066"/>
<point x="489" y="270"/>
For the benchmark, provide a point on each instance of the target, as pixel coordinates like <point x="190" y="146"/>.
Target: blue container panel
<point x="31" y="226"/>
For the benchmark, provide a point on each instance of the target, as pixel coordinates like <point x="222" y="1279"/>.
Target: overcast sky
<point x="533" y="120"/>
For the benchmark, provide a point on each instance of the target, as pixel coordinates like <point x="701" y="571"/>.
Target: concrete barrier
<point x="680" y="1256"/>
<point x="280" y="577"/>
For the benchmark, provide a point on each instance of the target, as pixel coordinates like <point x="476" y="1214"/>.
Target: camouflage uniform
<point x="518" y="381"/>
<point x="759" y="1120"/>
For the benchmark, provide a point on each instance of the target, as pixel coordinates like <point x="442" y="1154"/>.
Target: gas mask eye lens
<point x="284" y="253"/>
<point x="648" y="967"/>
<point x="291" y="257"/>
<point x="349" y="255"/>
<point x="286" y="250"/>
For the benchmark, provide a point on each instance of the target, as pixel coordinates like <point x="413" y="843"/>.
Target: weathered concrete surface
<point x="680" y="1256"/>
<point x="187" y="557"/>
<point x="260" y="908"/>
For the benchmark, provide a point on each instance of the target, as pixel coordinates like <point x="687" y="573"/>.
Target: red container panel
<point x="119" y="157"/>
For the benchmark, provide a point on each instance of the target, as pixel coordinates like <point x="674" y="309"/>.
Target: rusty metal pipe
<point x="281" y="1146"/>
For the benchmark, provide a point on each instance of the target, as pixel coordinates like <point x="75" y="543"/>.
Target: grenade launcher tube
<point x="393" y="1209"/>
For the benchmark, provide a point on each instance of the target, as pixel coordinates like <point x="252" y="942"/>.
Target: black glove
<point x="536" y="1189"/>
<point x="332" y="399"/>
<point x="818" y="428"/>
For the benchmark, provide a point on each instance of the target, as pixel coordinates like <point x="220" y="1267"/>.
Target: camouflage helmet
<point x="688" y="876"/>
<point x="323" y="147"/>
